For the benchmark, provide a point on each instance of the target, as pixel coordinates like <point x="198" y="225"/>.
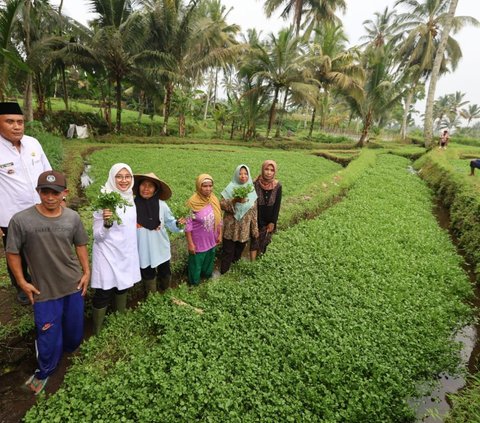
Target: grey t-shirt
<point x="48" y="244"/>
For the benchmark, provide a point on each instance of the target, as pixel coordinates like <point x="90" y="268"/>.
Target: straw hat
<point x="163" y="190"/>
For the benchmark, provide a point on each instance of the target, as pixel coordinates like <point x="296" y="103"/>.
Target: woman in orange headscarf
<point x="203" y="229"/>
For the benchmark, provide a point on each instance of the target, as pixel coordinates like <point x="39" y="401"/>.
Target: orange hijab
<point x="198" y="201"/>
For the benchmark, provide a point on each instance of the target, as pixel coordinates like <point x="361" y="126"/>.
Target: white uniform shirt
<point x="115" y="261"/>
<point x="19" y="172"/>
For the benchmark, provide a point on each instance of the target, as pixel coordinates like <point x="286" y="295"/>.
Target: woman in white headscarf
<point x="115" y="263"/>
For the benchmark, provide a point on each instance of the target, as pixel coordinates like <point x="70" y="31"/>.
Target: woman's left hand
<point x="270" y="227"/>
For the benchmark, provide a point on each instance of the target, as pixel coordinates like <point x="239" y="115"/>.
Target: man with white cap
<point x="47" y="233"/>
<point x="22" y="160"/>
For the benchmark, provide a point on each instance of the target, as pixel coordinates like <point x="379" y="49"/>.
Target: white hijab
<point x="111" y="185"/>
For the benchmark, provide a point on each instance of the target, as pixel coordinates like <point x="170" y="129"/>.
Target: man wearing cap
<point x="22" y="160"/>
<point x="46" y="234"/>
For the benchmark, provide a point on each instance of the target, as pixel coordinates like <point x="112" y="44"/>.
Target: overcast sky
<point x="249" y="14"/>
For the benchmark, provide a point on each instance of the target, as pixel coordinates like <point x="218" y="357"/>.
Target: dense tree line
<point x="173" y="57"/>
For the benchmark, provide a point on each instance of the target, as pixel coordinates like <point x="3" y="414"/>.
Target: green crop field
<point x="342" y="321"/>
<point x="180" y="165"/>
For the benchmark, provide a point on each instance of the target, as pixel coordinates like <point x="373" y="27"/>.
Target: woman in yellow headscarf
<point x="203" y="229"/>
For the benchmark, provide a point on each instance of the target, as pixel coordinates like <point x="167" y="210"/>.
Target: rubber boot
<point x="98" y="317"/>
<point x="150" y="286"/>
<point x="121" y="302"/>
<point x="165" y="282"/>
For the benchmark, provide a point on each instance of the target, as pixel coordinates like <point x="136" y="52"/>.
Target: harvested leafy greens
<point x="112" y="201"/>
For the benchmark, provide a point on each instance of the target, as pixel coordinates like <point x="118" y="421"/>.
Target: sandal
<point x="36" y="385"/>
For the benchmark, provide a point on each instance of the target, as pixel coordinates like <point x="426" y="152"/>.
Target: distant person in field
<point x="203" y="229"/>
<point x="444" y="139"/>
<point x="240" y="217"/>
<point x="269" y="192"/>
<point x="46" y="234"/>
<point x="22" y="160"/>
<point x="153" y="219"/>
<point x="474" y="164"/>
<point x="115" y="262"/>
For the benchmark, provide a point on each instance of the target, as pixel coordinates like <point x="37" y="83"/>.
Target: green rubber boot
<point x="165" y="282"/>
<point x="121" y="302"/>
<point x="150" y="286"/>
<point x="98" y="317"/>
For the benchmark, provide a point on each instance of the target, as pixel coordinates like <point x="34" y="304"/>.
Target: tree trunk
<point x="27" y="99"/>
<point x="298" y="16"/>
<point x="428" y="126"/>
<point x="118" y="92"/>
<point x="272" y="111"/>
<point x="408" y="102"/>
<point x="27" y="103"/>
<point x="215" y="88"/>
<point x="325" y="104"/>
<point x="181" y="125"/>
<point x="166" y="107"/>
<point x="232" y="129"/>
<point x="366" y="127"/>
<point x="41" y="108"/>
<point x="312" y="122"/>
<point x="64" y="86"/>
<point x="282" y="114"/>
<point x="141" y="105"/>
<point x="209" y="94"/>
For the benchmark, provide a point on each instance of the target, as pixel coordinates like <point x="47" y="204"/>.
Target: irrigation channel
<point x="432" y="407"/>
<point x="15" y="401"/>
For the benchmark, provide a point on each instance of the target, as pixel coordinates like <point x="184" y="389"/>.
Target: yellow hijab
<point x="198" y="201"/>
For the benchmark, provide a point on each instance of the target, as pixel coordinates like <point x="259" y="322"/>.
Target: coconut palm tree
<point x="9" y="55"/>
<point x="473" y="112"/>
<point x="381" y="89"/>
<point x="247" y="92"/>
<point x="382" y="29"/>
<point x="218" y="33"/>
<point x="117" y="39"/>
<point x="180" y="47"/>
<point x="429" y="44"/>
<point x="333" y="68"/>
<point x="24" y="27"/>
<point x="314" y="11"/>
<point x="281" y="62"/>
<point x="423" y="26"/>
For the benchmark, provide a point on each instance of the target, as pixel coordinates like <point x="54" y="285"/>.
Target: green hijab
<point x="227" y="193"/>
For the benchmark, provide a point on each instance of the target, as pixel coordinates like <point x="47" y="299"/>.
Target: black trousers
<point x="161" y="271"/>
<point x="231" y="253"/>
<point x="26" y="275"/>
<point x="103" y="297"/>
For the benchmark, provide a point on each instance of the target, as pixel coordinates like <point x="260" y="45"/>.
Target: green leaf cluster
<point x="112" y="201"/>
<point x="243" y="191"/>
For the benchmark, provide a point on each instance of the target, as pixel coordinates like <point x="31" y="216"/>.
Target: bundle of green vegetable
<point x="112" y="201"/>
<point x="243" y="191"/>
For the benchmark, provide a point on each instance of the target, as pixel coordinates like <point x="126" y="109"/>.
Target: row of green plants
<point x="447" y="174"/>
<point x="343" y="320"/>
